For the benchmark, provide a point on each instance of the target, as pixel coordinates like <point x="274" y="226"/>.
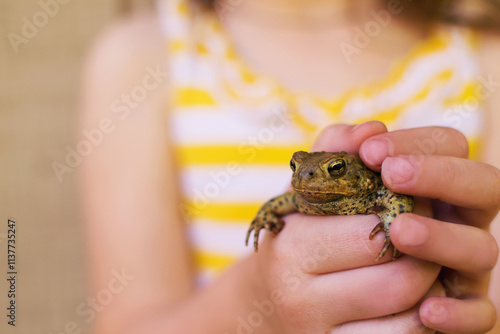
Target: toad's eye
<point x="292" y="165"/>
<point x="337" y="167"/>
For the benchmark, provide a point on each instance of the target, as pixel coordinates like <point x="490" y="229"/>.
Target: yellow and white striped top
<point x="235" y="131"/>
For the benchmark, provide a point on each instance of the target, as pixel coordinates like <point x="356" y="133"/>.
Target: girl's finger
<point x="348" y="138"/>
<point x="327" y="244"/>
<point x="465" y="183"/>
<point x="404" y="322"/>
<point x="372" y="292"/>
<point x="468" y="249"/>
<point x="416" y="141"/>
<point x="475" y="314"/>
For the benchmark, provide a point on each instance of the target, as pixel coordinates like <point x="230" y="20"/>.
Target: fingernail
<point x="437" y="313"/>
<point x="398" y="170"/>
<point x="412" y="233"/>
<point x="357" y="127"/>
<point x="376" y="150"/>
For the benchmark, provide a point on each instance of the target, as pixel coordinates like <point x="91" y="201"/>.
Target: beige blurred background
<point x="38" y="103"/>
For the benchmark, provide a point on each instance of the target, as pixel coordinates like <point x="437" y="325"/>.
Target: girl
<point x="206" y="102"/>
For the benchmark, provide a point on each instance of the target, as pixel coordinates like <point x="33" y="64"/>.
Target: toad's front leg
<point x="391" y="205"/>
<point x="269" y="216"/>
<point x="384" y="225"/>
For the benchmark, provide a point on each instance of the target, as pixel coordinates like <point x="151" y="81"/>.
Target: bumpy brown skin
<point x="337" y="183"/>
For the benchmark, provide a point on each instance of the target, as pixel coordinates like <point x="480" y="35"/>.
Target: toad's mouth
<point x="318" y="196"/>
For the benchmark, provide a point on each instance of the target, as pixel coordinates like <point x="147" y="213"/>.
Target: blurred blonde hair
<point x="480" y="14"/>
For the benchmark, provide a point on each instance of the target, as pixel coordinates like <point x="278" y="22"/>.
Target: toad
<point x="325" y="183"/>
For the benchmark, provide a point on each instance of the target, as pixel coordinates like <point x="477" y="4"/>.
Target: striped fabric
<point x="235" y="131"/>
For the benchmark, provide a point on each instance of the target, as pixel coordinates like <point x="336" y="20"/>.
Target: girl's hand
<point x="319" y="273"/>
<point x="431" y="162"/>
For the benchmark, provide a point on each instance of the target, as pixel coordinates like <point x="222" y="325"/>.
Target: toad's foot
<point x="387" y="242"/>
<point x="269" y="216"/>
<point x="264" y="219"/>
